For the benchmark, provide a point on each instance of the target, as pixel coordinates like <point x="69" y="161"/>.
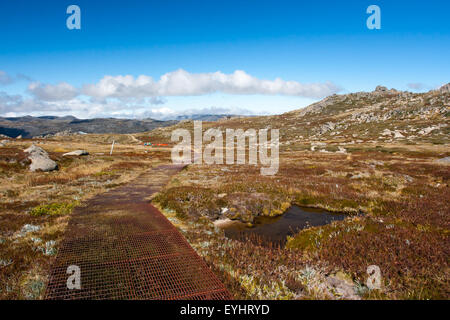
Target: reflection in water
<point x="275" y="230"/>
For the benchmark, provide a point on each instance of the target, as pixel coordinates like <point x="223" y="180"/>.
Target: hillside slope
<point x="379" y="116"/>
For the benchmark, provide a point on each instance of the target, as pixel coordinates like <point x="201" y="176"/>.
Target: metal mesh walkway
<point x="126" y="249"/>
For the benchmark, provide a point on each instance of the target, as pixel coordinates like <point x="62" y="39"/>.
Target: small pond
<point x="275" y="230"/>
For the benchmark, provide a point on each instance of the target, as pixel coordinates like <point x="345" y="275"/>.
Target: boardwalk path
<point x="126" y="249"/>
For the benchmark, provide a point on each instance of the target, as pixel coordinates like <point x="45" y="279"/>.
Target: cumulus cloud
<point x="218" y="111"/>
<point x="9" y="102"/>
<point x="416" y="86"/>
<point x="170" y="114"/>
<point x="19" y="105"/>
<point x="157" y="100"/>
<point x="48" y="92"/>
<point x="143" y="97"/>
<point x="183" y="83"/>
<point x="5" y="78"/>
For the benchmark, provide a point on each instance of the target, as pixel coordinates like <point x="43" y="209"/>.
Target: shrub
<point x="53" y="209"/>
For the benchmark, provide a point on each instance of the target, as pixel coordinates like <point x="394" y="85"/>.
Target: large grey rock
<point x="40" y="159"/>
<point x="76" y="153"/>
<point x="445" y="88"/>
<point x="384" y="90"/>
<point x="398" y="134"/>
<point x="428" y="130"/>
<point x="381" y="89"/>
<point x="444" y="160"/>
<point x="342" y="289"/>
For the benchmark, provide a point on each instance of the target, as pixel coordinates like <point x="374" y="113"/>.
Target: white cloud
<point x="140" y="97"/>
<point x="5" y="78"/>
<point x="416" y="86"/>
<point x="9" y="102"/>
<point x="169" y="114"/>
<point x="20" y="105"/>
<point x="48" y="92"/>
<point x="183" y="83"/>
<point x="17" y="105"/>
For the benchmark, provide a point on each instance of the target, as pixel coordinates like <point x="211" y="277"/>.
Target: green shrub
<point x="53" y="209"/>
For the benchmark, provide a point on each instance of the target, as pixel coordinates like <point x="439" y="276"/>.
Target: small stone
<point x="50" y="248"/>
<point x="5" y="263"/>
<point x="28" y="228"/>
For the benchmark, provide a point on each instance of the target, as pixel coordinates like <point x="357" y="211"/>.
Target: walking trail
<point x="126" y="249"/>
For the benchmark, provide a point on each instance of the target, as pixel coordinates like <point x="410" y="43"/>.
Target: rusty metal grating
<point x="126" y="249"/>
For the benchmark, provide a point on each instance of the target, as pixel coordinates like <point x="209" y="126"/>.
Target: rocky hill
<point x="382" y="115"/>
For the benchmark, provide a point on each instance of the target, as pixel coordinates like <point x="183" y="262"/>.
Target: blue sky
<point x="315" y="48"/>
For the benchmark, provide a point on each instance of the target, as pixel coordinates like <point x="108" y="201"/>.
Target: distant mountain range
<point x="29" y="127"/>
<point x="206" y="117"/>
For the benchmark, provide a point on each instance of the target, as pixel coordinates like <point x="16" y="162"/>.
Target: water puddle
<point x="275" y="230"/>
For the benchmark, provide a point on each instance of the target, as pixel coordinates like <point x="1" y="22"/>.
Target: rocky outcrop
<point x="381" y="89"/>
<point x="445" y="88"/>
<point x="40" y="161"/>
<point x="428" y="130"/>
<point x="444" y="160"/>
<point x="342" y="287"/>
<point x="64" y="133"/>
<point x="398" y="134"/>
<point x="329" y="126"/>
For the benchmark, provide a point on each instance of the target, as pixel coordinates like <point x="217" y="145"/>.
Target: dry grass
<point x="45" y="200"/>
